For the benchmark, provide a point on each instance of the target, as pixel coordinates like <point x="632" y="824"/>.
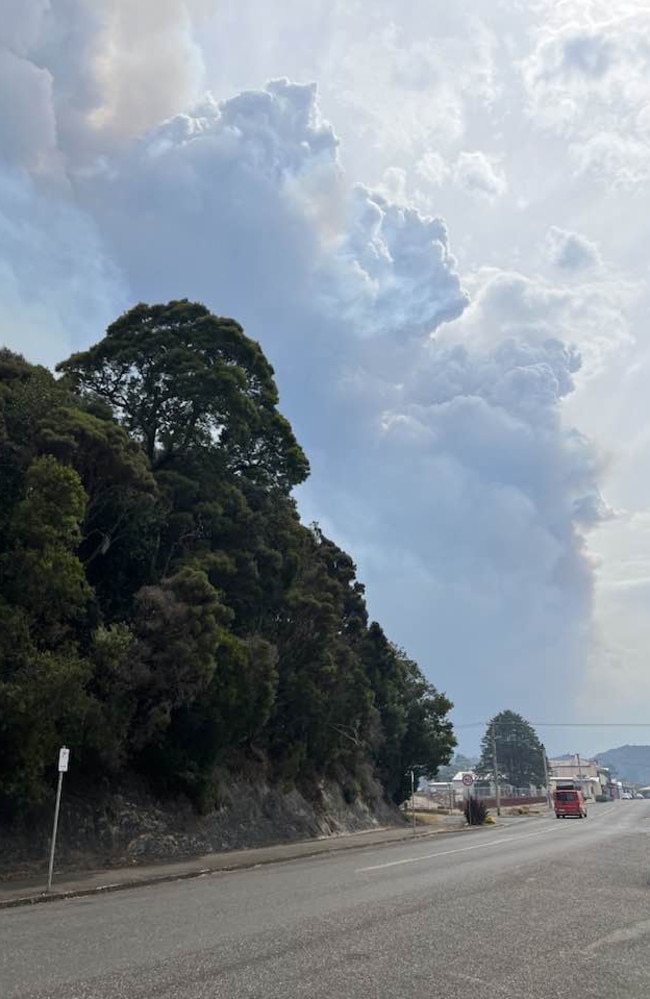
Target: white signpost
<point x="64" y="759"/>
<point x="468" y="780"/>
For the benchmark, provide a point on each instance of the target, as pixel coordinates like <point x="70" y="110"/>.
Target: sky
<point x="434" y="218"/>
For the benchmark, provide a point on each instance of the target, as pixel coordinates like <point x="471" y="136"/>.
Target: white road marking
<point x="465" y="849"/>
<point x="634" y="932"/>
<point x="430" y="856"/>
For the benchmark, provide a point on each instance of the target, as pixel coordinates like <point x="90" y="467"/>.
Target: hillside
<point x="163" y="611"/>
<point x="629" y="763"/>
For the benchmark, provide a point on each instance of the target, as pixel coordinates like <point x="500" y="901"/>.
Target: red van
<point x="569" y="801"/>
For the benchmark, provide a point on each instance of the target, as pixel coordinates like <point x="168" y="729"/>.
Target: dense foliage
<point x="162" y="609"/>
<point x="520" y="754"/>
<point x="475" y="811"/>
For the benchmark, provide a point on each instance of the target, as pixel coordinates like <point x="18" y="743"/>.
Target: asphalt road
<point x="531" y="910"/>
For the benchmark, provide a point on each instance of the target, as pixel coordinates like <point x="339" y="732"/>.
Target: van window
<point x="566" y="795"/>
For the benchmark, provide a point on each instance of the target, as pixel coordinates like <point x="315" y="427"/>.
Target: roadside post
<point x="549" y="799"/>
<point x="468" y="780"/>
<point x="64" y="758"/>
<point x="413" y="799"/>
<point x="495" y="767"/>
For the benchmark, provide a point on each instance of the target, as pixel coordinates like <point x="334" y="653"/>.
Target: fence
<point x="454" y="798"/>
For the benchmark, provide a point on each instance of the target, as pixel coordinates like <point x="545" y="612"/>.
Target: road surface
<point x="531" y="910"/>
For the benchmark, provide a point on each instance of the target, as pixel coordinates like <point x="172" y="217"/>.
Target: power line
<point x="534" y="724"/>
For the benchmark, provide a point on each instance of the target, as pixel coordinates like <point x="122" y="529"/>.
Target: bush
<point x="475" y="812"/>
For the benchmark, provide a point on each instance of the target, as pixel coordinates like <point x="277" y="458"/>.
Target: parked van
<point x="569" y="801"/>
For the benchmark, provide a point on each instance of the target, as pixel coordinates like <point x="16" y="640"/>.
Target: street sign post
<point x="468" y="780"/>
<point x="64" y="759"/>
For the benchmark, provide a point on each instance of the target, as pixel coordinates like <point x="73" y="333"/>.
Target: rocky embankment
<point x="131" y="827"/>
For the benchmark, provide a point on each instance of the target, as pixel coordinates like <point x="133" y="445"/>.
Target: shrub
<point x="475" y="812"/>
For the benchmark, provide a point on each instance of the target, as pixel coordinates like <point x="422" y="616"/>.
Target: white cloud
<point x="477" y="175"/>
<point x="591" y="316"/>
<point x="612" y="158"/>
<point x="147" y="64"/>
<point x="393" y="272"/>
<point x="588" y="78"/>
<point x="618" y="678"/>
<point x="569" y="251"/>
<point x="432" y="169"/>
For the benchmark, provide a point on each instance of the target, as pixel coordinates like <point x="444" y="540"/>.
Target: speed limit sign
<point x="468" y="779"/>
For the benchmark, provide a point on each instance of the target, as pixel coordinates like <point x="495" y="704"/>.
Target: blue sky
<point x="434" y="219"/>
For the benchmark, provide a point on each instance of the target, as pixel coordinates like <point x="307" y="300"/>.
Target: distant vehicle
<point x="638" y="795"/>
<point x="569" y="801"/>
<point x="627" y="795"/>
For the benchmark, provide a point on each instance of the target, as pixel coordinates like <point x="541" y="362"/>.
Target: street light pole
<point x="549" y="800"/>
<point x="495" y="767"/>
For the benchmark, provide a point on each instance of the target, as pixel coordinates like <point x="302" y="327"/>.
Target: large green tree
<point x="520" y="754"/>
<point x="414" y="731"/>
<point x="179" y="378"/>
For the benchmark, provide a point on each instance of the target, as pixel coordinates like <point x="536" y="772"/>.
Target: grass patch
<point x="426" y="818"/>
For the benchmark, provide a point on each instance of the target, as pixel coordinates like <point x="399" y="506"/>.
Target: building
<point x="594" y="779"/>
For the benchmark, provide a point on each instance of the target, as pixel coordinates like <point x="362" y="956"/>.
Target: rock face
<point x="134" y="828"/>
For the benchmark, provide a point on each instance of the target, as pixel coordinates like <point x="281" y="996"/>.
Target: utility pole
<point x="547" y="779"/>
<point x="495" y="767"/>
<point x="580" y="772"/>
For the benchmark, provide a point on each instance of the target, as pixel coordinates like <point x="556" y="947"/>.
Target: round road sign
<point x="468" y="779"/>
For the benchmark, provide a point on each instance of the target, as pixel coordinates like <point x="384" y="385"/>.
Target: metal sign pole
<point x="64" y="756"/>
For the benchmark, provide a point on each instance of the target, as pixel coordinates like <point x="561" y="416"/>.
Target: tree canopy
<point x="163" y="611"/>
<point x="520" y="754"/>
<point x="180" y="379"/>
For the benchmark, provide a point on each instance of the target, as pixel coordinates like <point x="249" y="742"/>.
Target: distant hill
<point x="628" y="763"/>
